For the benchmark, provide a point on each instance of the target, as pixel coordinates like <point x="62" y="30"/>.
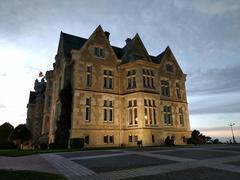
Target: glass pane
<point x="154" y="116"/>
<point x="130" y="117"/>
<point x="110" y="115"/>
<point x="135" y="116"/>
<point x="105" y="114"/>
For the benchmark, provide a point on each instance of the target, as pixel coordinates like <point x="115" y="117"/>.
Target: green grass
<point x="17" y="152"/>
<point x="28" y="175"/>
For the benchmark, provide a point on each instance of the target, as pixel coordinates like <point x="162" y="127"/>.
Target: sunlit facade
<point x="118" y="95"/>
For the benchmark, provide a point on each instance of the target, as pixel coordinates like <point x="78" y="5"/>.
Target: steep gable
<point x="169" y="62"/>
<point x="135" y="50"/>
<point x="99" y="39"/>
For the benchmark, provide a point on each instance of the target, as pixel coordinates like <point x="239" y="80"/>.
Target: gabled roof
<point x="68" y="42"/>
<point x="135" y="50"/>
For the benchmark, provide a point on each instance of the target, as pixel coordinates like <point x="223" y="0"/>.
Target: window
<point x="105" y="139"/>
<point x="132" y="112"/>
<point x="111" y="139"/>
<point x="108" y="111"/>
<point x="108" y="139"/>
<point x="150" y="112"/>
<point x="108" y="79"/>
<point x="169" y="67"/>
<point x="165" y="88"/>
<point x="167" y="112"/>
<point x="131" y="79"/>
<point x="148" y="78"/>
<point x="99" y="52"/>
<point x="88" y="109"/>
<point x="130" y="139"/>
<point x="184" y="139"/>
<point x="89" y="76"/>
<point x="153" y="138"/>
<point x="181" y="119"/>
<point x="49" y="101"/>
<point x="86" y="139"/>
<point x="135" y="138"/>
<point x="154" y="116"/>
<point x="60" y="84"/>
<point x="178" y="93"/>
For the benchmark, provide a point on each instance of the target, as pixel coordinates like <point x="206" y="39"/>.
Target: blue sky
<point x="203" y="35"/>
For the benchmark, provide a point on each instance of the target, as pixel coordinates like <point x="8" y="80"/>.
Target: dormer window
<point x="169" y="67"/>
<point x="99" y="52"/>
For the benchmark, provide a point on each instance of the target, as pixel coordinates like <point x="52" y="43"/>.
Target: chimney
<point x="107" y="34"/>
<point x="128" y="40"/>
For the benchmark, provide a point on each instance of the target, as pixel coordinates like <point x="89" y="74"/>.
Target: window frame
<point x="165" y="88"/>
<point x="99" y="52"/>
<point x="108" y="79"/>
<point x="88" y="110"/>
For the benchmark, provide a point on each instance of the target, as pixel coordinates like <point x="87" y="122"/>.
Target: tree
<point x="5" y="131"/>
<point x="216" y="141"/>
<point x="64" y="122"/>
<point x="169" y="141"/>
<point x="20" y="135"/>
<point x="198" y="138"/>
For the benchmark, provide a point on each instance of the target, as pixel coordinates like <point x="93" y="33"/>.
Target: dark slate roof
<point x="71" y="42"/>
<point x="118" y="51"/>
<point x="74" y="42"/>
<point x="32" y="97"/>
<point x="158" y="59"/>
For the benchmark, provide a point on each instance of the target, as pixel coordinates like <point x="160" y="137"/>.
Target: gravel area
<point x="121" y="162"/>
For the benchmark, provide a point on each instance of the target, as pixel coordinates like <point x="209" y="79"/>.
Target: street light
<point x="231" y="125"/>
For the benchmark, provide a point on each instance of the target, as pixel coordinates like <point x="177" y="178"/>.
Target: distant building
<point x="110" y="96"/>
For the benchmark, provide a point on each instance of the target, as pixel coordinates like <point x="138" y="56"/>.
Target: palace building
<point x="109" y="96"/>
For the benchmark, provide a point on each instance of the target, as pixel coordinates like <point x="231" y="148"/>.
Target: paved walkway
<point x="131" y="164"/>
<point x="31" y="162"/>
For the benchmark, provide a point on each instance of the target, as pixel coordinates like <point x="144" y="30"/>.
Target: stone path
<point x="134" y="164"/>
<point x="31" y="162"/>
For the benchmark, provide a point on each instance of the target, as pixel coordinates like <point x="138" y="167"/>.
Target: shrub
<point x="77" y="143"/>
<point x="52" y="146"/>
<point x="168" y="141"/>
<point x="43" y="146"/>
<point x="5" y="131"/>
<point x="20" y="135"/>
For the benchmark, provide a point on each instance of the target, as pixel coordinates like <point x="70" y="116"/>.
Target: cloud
<point x="2" y="106"/>
<point x="226" y="128"/>
<point x="3" y="74"/>
<point x="214" y="7"/>
<point x="214" y="81"/>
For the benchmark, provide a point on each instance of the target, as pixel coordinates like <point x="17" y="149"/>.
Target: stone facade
<point x="119" y="95"/>
<point x="35" y="108"/>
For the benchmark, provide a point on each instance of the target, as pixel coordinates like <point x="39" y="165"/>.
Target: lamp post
<point x="231" y="125"/>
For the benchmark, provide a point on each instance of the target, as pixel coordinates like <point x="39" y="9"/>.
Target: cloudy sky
<point x="204" y="35"/>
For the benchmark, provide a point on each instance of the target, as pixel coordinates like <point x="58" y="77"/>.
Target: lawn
<point x="28" y="175"/>
<point x="17" y="152"/>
